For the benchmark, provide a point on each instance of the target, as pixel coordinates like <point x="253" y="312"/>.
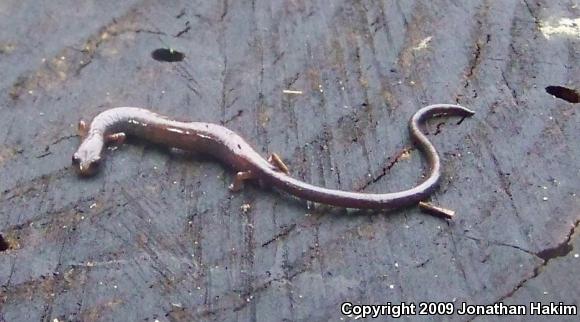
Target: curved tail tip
<point x="470" y="112"/>
<point x="452" y="108"/>
<point x="465" y="111"/>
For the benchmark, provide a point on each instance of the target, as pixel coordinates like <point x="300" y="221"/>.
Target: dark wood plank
<point x="157" y="236"/>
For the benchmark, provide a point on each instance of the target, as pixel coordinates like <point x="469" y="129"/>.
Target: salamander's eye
<point x="75" y="159"/>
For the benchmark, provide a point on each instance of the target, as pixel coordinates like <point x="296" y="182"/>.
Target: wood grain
<point x="157" y="235"/>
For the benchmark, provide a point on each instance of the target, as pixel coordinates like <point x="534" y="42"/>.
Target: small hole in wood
<point x="3" y="244"/>
<point x="167" y="55"/>
<point x="558" y="251"/>
<point x="567" y="94"/>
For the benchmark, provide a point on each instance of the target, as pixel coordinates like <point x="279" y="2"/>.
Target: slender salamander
<point x="111" y="126"/>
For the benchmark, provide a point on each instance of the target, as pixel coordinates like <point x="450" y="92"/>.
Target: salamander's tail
<point x="423" y="143"/>
<point x="390" y="200"/>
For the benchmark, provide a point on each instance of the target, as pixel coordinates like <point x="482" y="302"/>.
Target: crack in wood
<point x="88" y="52"/>
<point x="532" y="14"/>
<point x="283" y="233"/>
<point x="385" y="170"/>
<point x="546" y="255"/>
<point x="562" y="249"/>
<point x="183" y="31"/>
<point x="512" y="90"/>
<point x="498" y="243"/>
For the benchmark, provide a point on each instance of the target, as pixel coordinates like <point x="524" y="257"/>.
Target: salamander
<point x="113" y="125"/>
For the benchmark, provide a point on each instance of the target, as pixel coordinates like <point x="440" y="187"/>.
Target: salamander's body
<point x="227" y="146"/>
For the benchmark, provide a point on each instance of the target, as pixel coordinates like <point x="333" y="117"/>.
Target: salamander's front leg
<point x="276" y="161"/>
<point x="239" y="180"/>
<point x="83" y="129"/>
<point x="116" y="138"/>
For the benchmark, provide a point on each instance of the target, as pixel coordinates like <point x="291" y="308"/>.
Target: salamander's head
<point x="87" y="158"/>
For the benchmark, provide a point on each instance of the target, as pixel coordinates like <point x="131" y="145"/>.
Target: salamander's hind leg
<point x="239" y="180"/>
<point x="276" y="161"/>
<point x="83" y="129"/>
<point x="116" y="138"/>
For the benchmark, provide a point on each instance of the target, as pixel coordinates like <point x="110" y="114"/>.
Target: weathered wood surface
<point x="158" y="236"/>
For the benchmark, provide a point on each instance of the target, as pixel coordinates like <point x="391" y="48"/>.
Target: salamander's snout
<point x="84" y="166"/>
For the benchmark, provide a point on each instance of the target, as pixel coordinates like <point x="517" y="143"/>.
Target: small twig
<point x="288" y="91"/>
<point x="436" y="211"/>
